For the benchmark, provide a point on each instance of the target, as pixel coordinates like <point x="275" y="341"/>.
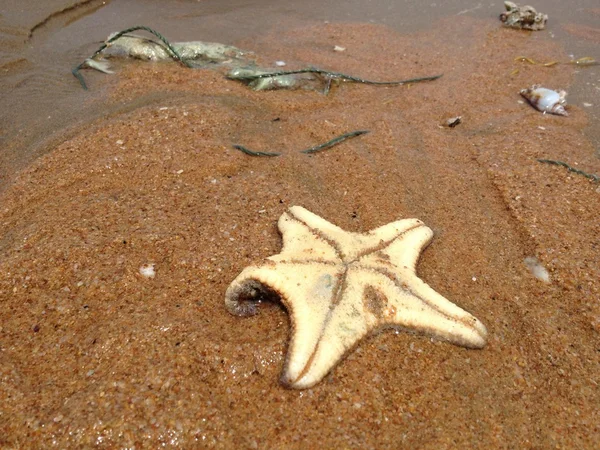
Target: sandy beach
<point x="94" y="354"/>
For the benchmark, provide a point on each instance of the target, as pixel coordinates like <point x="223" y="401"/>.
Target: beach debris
<point x="454" y="121"/>
<point x="100" y="66"/>
<point x="147" y="271"/>
<point x="586" y="61"/>
<point x="339" y="286"/>
<point x="199" y="54"/>
<point x="317" y="148"/>
<point x="247" y="151"/>
<point x="591" y="176"/>
<point x="537" y="269"/>
<point x="196" y="54"/>
<point x="334" y="141"/>
<point x="535" y="63"/>
<point x="255" y="80"/>
<point x="172" y="52"/>
<point x="338" y="48"/>
<point x="523" y="17"/>
<point x="546" y="100"/>
<point x="305" y="78"/>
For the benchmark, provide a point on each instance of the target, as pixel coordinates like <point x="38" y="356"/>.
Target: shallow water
<point x="39" y="46"/>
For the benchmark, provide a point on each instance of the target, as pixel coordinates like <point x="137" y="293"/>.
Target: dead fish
<point x="197" y="51"/>
<point x="258" y="80"/>
<point x="546" y="100"/>
<point x="101" y="66"/>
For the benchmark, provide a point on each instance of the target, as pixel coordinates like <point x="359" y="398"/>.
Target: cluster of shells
<point x="527" y="18"/>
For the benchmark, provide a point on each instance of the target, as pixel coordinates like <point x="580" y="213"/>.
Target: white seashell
<point x="454" y="121"/>
<point x="148" y="271"/>
<point x="537" y="269"/>
<point x="546" y="100"/>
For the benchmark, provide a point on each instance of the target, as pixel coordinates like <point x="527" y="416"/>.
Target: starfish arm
<point x="342" y="329"/>
<point x="357" y="245"/>
<point x="404" y="252"/>
<point x="420" y="307"/>
<point x="306" y="291"/>
<point x="392" y="231"/>
<point x="301" y="230"/>
<point x="452" y="323"/>
<point x="382" y="303"/>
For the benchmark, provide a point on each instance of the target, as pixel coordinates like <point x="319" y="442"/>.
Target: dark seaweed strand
<point x="314" y="149"/>
<point x="591" y="176"/>
<point x="174" y="54"/>
<point x="335" y="75"/>
<point x="334" y="141"/>
<point x="247" y="151"/>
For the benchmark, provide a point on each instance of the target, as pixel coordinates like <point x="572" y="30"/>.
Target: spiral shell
<point x="546" y="100"/>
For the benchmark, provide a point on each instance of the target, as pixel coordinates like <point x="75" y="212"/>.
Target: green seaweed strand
<point x="314" y="149"/>
<point x="247" y="151"/>
<point x="341" y="76"/>
<point x="591" y="176"/>
<point x="334" y="141"/>
<point x="174" y="54"/>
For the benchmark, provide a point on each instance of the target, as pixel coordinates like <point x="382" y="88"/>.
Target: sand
<point x="94" y="353"/>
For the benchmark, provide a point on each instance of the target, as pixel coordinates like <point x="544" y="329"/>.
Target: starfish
<point x="338" y="286"/>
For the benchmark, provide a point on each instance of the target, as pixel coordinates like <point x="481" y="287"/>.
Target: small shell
<point x="147" y="270"/>
<point x="452" y="122"/>
<point x="546" y="100"/>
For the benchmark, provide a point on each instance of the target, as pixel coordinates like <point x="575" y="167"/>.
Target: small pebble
<point x="147" y="271"/>
<point x="537" y="269"/>
<point x="453" y="121"/>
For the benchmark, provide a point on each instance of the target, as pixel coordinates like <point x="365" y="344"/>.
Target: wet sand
<point x="93" y="353"/>
<point x="42" y="103"/>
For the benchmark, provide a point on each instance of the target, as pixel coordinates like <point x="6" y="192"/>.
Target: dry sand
<point x="94" y="354"/>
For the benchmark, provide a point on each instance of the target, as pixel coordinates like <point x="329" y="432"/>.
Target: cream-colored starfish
<point x="337" y="286"/>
